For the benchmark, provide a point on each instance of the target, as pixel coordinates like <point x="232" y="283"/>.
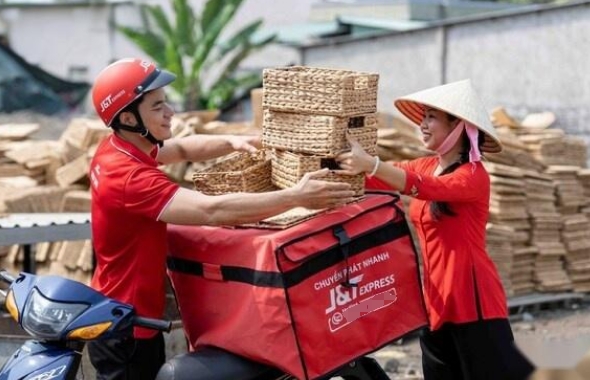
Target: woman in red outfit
<point x="470" y="335"/>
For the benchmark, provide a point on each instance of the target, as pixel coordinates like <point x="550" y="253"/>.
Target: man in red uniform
<point x="132" y="201"/>
<point x="470" y="336"/>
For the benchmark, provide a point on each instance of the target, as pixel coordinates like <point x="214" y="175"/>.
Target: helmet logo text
<point x="146" y="65"/>
<point x="109" y="100"/>
<point x="106" y="103"/>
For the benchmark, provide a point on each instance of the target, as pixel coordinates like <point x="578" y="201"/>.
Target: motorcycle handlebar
<point x="151" y="323"/>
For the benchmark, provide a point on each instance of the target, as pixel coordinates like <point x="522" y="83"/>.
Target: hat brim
<point x="415" y="111"/>
<point x="164" y="78"/>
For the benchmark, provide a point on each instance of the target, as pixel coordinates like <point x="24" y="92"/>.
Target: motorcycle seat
<point x="214" y="364"/>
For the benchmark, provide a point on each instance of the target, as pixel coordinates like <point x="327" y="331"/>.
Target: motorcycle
<point x="62" y="314"/>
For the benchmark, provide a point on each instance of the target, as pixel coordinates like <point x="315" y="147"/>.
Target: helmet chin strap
<point x="142" y="130"/>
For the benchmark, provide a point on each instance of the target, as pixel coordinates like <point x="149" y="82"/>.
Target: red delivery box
<point x="306" y="299"/>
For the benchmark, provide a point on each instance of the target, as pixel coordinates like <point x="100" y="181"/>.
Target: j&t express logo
<point x="348" y="304"/>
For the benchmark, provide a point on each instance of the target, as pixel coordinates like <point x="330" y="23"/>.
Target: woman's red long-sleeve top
<point x="461" y="282"/>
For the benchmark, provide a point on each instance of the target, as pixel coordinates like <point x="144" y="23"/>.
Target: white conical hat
<point x="458" y="99"/>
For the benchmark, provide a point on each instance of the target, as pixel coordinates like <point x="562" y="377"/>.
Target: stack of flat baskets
<point x="238" y="172"/>
<point x="307" y="114"/>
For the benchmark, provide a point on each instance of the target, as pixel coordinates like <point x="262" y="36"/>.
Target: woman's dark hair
<point x="439" y="209"/>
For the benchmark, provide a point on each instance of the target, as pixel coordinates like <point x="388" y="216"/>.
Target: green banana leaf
<point x="189" y="45"/>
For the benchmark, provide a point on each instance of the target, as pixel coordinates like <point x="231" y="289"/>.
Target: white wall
<point x="403" y="64"/>
<point x="526" y="62"/>
<point x="531" y="62"/>
<point x="83" y="35"/>
<point x="58" y="38"/>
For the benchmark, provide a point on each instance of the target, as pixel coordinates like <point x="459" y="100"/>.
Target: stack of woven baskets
<point x="307" y="114"/>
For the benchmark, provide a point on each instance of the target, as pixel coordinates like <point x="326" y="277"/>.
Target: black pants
<point x="483" y="350"/>
<point x="127" y="358"/>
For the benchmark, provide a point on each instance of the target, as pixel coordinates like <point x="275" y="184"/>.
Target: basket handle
<point x="356" y="122"/>
<point x="329" y="163"/>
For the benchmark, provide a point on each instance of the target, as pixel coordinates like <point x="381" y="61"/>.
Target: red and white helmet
<point x="123" y="81"/>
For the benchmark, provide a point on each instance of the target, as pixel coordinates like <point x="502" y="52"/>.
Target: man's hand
<point x="245" y="143"/>
<point x="313" y="193"/>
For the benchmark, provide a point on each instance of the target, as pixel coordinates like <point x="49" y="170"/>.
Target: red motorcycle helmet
<point x="123" y="81"/>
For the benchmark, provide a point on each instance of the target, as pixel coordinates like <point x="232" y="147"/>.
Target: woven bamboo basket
<point x="238" y="172"/>
<point x="320" y="91"/>
<point x="288" y="168"/>
<point x="317" y="134"/>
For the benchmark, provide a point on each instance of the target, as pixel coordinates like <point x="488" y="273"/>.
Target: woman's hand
<point x="355" y="161"/>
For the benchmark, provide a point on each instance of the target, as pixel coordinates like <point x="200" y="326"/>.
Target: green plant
<point x="188" y="44"/>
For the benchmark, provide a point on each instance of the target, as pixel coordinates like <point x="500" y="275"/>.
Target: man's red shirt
<point x="461" y="283"/>
<point x="129" y="193"/>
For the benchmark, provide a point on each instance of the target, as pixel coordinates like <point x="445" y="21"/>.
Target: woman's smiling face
<point x="435" y="128"/>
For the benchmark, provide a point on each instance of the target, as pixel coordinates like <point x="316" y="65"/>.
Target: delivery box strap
<point x="319" y="262"/>
<point x="344" y="241"/>
<point x="387" y="233"/>
<point x="227" y="273"/>
<point x="391" y="202"/>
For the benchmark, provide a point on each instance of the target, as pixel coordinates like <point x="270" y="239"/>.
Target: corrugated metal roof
<point x="381" y="28"/>
<point x="378" y="23"/>
<point x="25" y="220"/>
<point x="313" y="32"/>
<point x="43" y="227"/>
<point x="298" y="33"/>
